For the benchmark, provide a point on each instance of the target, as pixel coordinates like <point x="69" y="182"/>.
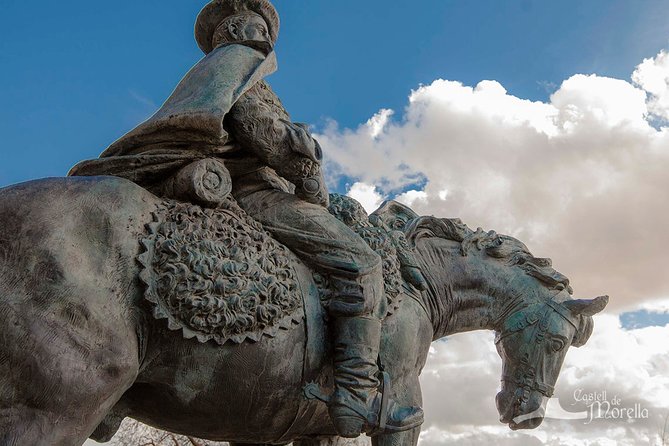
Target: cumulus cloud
<point x="581" y="178"/>
<point x="412" y="197"/>
<point x="653" y="76"/>
<point x="378" y="122"/>
<point x="367" y="195"/>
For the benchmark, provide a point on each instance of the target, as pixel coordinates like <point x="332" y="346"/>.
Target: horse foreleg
<point x="407" y="438"/>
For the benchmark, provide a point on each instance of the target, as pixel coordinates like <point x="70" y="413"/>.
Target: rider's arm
<point x="259" y="123"/>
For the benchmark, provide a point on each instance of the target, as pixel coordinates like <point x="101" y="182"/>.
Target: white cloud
<point x="378" y="122"/>
<point x="657" y="306"/>
<point x="367" y="195"/>
<point x="411" y="197"/>
<point x="653" y="76"/>
<point x="609" y="102"/>
<point x="581" y="178"/>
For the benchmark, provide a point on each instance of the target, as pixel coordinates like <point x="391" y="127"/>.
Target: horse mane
<point x="502" y="247"/>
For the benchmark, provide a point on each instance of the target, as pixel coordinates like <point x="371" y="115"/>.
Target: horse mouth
<point x="518" y="416"/>
<point x="507" y="416"/>
<point x="529" y="420"/>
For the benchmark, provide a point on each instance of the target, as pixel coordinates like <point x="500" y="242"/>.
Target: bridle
<point x="538" y="320"/>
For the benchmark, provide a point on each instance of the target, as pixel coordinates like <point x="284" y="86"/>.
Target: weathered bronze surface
<point x="198" y="277"/>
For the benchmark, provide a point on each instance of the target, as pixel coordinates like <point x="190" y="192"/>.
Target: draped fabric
<point x="189" y="125"/>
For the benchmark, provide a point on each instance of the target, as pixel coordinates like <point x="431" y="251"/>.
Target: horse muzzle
<point x="519" y="412"/>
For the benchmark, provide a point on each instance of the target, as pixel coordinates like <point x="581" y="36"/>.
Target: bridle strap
<point x="555" y="306"/>
<point x="529" y="379"/>
<point x="543" y="388"/>
<point x="562" y="311"/>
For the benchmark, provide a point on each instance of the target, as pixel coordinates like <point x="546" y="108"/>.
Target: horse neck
<point x="460" y="297"/>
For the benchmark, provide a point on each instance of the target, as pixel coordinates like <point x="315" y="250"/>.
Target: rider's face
<point x="254" y="28"/>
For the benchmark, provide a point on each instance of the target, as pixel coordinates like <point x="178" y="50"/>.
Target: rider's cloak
<point x="189" y="125"/>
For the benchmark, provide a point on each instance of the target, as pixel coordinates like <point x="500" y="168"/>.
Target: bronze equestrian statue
<point x="199" y="278"/>
<point x="224" y="107"/>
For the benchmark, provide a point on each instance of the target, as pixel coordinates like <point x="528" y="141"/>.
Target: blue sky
<point x="643" y="318"/>
<point x="76" y="75"/>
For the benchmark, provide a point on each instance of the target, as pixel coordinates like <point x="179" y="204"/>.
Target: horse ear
<point x="394" y="215"/>
<point x="586" y="307"/>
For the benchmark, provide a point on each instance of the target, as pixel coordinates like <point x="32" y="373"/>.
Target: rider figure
<point x="262" y="148"/>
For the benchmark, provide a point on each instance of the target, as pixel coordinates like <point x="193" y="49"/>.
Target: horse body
<point x="77" y="329"/>
<point x="80" y="349"/>
<point x="68" y="306"/>
<point x="221" y="392"/>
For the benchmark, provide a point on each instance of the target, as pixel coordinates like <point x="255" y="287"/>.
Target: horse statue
<point x="115" y="303"/>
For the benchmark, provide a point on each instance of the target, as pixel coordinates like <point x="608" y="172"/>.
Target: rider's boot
<point x="358" y="404"/>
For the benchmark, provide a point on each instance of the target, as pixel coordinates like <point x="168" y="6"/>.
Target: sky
<point x="544" y="120"/>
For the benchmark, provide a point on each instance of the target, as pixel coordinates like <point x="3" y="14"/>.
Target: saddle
<point x="216" y="274"/>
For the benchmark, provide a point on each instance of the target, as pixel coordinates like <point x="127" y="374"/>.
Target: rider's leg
<point x="357" y="308"/>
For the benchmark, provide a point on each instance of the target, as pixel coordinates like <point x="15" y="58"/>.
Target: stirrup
<point x="312" y="391"/>
<point x="375" y="422"/>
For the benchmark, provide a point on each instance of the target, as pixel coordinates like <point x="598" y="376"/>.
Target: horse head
<point x="482" y="280"/>
<point x="533" y="342"/>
